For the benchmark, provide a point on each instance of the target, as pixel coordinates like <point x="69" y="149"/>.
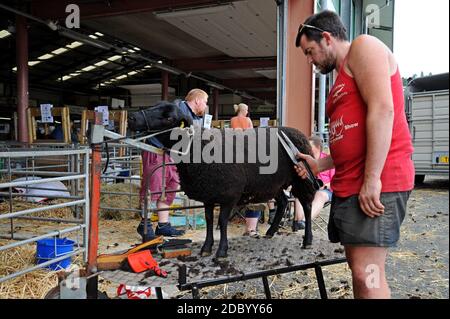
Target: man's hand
<point x="300" y="167"/>
<point x="369" y="198"/>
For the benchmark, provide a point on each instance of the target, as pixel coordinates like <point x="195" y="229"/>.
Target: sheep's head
<point x="163" y="115"/>
<point x="301" y="188"/>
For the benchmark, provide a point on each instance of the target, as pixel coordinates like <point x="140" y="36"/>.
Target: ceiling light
<point x="148" y="66"/>
<point x="79" y="37"/>
<point x="4" y="34"/>
<point x="46" y="56"/>
<point x="14" y="69"/>
<point x="31" y="63"/>
<point x="114" y="58"/>
<point x="99" y="34"/>
<point x="66" y="77"/>
<point x="121" y="77"/>
<point x="131" y="51"/>
<point x="88" y="68"/>
<point x="137" y="49"/>
<point x="93" y="36"/>
<point x="74" y="45"/>
<point x="53" y="25"/>
<point x="132" y="73"/>
<point x="101" y="63"/>
<point x="59" y="51"/>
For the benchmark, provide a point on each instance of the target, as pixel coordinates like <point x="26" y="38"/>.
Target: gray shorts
<point x="350" y="226"/>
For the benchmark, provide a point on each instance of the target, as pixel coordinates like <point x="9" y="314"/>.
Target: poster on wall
<point x="207" y="121"/>
<point x="264" y="122"/>
<point x="46" y="113"/>
<point x="103" y="109"/>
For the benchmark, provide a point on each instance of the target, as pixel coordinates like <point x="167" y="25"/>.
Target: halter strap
<point x="145" y="119"/>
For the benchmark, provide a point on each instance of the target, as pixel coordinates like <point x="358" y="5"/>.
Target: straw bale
<point x="34" y="285"/>
<point x="19" y="204"/>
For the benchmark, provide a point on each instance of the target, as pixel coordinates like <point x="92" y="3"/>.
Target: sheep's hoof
<point x="270" y="234"/>
<point x="205" y="251"/>
<point x="220" y="259"/>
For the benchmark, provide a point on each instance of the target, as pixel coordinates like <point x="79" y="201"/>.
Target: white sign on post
<point x="46" y="113"/>
<point x="103" y="109"/>
<point x="207" y="121"/>
<point x="264" y="122"/>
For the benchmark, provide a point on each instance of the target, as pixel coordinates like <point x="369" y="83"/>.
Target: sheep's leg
<point x="225" y="211"/>
<point x="307" y="239"/>
<point x="282" y="202"/>
<point x="209" y="241"/>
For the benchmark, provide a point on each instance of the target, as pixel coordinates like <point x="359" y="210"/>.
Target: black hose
<point x="107" y="158"/>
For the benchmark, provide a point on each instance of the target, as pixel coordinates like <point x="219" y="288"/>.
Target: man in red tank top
<point x="370" y="147"/>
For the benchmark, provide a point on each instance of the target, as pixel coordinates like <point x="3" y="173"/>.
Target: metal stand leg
<point x="159" y="294"/>
<point x="195" y="292"/>
<point x="266" y="287"/>
<point x="182" y="274"/>
<point x="92" y="288"/>
<point x="321" y="282"/>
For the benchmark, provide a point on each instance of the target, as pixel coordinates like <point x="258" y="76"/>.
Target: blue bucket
<point x="51" y="248"/>
<point x="178" y="221"/>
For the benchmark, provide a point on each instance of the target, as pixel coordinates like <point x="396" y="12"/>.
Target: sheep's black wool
<point x="231" y="184"/>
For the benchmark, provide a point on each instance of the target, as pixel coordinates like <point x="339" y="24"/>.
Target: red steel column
<point x="22" y="77"/>
<point x="96" y="171"/>
<point x="165" y="85"/>
<point x="299" y="75"/>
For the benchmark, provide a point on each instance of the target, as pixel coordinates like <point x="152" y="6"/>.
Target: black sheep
<point x="231" y="184"/>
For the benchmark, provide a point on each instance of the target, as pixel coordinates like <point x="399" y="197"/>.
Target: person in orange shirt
<point x="242" y="121"/>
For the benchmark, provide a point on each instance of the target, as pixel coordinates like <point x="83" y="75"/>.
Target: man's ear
<point x="327" y="36"/>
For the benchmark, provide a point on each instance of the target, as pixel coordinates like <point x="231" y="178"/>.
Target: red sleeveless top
<point x="347" y="112"/>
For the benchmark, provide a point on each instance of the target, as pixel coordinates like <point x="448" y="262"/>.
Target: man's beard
<point x="327" y="66"/>
<point x="327" y="69"/>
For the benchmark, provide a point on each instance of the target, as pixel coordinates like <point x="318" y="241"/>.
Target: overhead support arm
<point x="225" y="63"/>
<point x="251" y="83"/>
<point x="50" y="9"/>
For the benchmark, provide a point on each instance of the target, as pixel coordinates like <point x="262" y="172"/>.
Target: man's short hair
<point x="327" y="21"/>
<point x="195" y="93"/>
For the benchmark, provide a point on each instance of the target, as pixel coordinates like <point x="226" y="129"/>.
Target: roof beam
<point x="224" y="63"/>
<point x="265" y="95"/>
<point x="250" y="83"/>
<point x="50" y="9"/>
